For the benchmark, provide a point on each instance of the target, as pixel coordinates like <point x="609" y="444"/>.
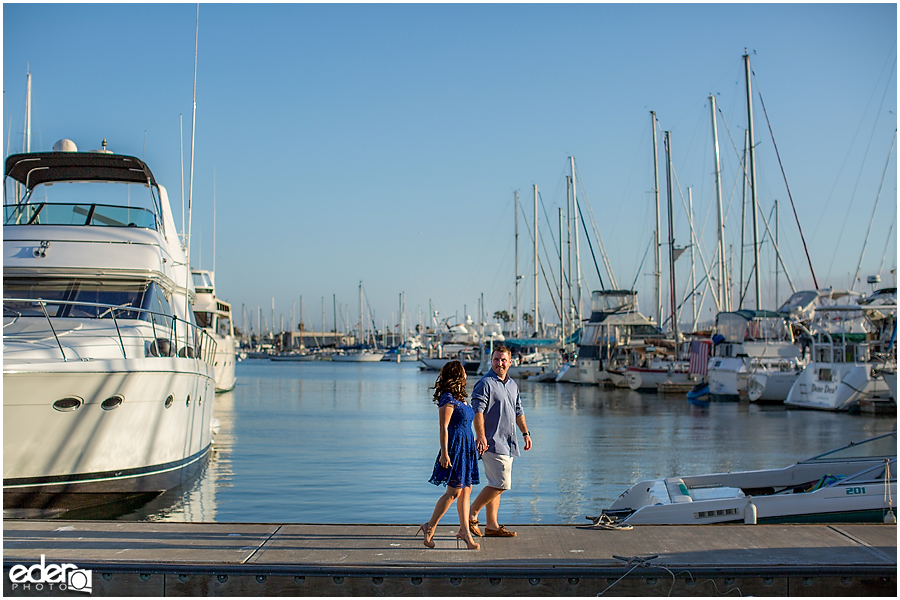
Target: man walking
<point x="497" y="414"/>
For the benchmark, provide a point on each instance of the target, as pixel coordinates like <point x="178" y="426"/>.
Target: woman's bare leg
<point x="443" y="505"/>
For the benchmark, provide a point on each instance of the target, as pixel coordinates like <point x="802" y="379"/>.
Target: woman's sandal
<point x="471" y="545"/>
<point x="427" y="534"/>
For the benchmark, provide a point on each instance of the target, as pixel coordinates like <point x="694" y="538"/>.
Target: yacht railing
<point x="171" y="336"/>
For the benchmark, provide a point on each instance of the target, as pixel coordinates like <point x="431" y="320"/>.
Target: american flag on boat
<point x="699" y="356"/>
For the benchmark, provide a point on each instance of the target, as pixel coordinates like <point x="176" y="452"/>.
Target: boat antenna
<point x="214" y="220"/>
<point x="191" y="176"/>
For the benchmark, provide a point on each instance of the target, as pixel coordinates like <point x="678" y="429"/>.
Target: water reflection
<point x="355" y="443"/>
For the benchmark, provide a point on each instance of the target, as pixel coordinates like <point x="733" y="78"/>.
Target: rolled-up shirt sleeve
<point x="480" y="397"/>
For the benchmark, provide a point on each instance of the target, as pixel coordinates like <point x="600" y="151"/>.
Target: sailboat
<point x="859" y="340"/>
<point x="359" y="352"/>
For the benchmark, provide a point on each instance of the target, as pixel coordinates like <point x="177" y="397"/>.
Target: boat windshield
<point x="202" y="281"/>
<point x="84" y="298"/>
<point x="883" y="445"/>
<point x="874" y="475"/>
<point x="105" y="204"/>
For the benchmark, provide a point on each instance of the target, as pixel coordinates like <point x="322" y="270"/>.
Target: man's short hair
<point x="502" y="349"/>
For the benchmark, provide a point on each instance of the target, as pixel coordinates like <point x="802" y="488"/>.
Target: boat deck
<point x="182" y="559"/>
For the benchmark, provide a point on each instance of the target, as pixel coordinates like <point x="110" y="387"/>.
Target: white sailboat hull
<point x="358" y="357"/>
<point x="771" y="385"/>
<point x="835" y="386"/>
<point x="727" y="378"/>
<point x="588" y="371"/>
<point x="642" y="378"/>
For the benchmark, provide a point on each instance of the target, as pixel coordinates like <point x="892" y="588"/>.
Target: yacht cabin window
<point x="86" y="298"/>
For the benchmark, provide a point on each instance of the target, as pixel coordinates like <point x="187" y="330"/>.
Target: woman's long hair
<point x="453" y="380"/>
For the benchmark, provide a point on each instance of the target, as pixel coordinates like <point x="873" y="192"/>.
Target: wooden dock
<point x="229" y="559"/>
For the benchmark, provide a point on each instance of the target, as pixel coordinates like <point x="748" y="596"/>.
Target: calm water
<point x="355" y="443"/>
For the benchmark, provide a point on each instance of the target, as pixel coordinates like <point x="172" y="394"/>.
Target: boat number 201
<point x="855" y="490"/>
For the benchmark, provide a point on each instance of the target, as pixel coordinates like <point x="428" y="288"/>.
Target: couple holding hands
<point x="496" y="412"/>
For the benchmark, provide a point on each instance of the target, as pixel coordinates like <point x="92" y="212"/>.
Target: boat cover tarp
<point x="41" y="167"/>
<point x="529" y="342"/>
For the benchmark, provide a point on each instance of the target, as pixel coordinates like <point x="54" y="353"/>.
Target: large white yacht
<point x="108" y="383"/>
<point x="214" y="315"/>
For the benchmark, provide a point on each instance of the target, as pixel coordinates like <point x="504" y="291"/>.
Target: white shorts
<point x="498" y="470"/>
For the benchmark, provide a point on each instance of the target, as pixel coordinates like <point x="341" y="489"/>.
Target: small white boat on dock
<point x="849" y="484"/>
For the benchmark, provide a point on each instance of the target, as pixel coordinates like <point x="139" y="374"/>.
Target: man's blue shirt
<point x="499" y="402"/>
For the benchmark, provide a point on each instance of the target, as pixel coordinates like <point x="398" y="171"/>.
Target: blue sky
<point x="383" y="143"/>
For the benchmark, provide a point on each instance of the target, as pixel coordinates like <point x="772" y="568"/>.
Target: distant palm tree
<point x="502" y="315"/>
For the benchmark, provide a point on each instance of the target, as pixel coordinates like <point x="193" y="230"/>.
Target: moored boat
<point x="357" y="355"/>
<point x="108" y="382"/>
<point x="214" y="315"/>
<point x="858" y="340"/>
<point x="742" y="338"/>
<point x="848" y="484"/>
<point x="615" y="325"/>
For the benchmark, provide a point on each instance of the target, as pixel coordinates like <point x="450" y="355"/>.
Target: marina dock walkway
<point x="228" y="559"/>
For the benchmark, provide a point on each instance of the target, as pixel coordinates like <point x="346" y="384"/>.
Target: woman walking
<point x="456" y="466"/>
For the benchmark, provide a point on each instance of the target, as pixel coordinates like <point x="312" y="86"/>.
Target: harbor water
<point x="323" y="442"/>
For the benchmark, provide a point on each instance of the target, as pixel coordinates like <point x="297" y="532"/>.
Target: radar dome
<point x="65" y="146"/>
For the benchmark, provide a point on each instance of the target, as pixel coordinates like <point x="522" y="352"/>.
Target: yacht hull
<point x="91" y="455"/>
<point x="224" y="363"/>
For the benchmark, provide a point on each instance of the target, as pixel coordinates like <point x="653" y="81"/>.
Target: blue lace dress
<point x="463" y="471"/>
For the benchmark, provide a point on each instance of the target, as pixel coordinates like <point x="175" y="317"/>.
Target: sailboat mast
<point x="191" y="174"/>
<point x="776" y="255"/>
<point x="360" y="313"/>
<point x="577" y="253"/>
<point x="743" y="224"/>
<point x="534" y="227"/>
<point x="516" y="211"/>
<point x="657" y="273"/>
<point x="570" y="307"/>
<point x="724" y="301"/>
<point x="562" y="277"/>
<point x="693" y="262"/>
<point x="753" y="200"/>
<point x="674" y="315"/>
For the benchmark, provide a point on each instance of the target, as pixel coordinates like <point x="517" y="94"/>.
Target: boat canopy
<point x="746" y="325"/>
<point x="529" y="342"/>
<point x="35" y="168"/>
<point x="613" y="300"/>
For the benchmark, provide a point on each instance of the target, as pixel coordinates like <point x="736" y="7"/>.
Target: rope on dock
<point x="605" y="522"/>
